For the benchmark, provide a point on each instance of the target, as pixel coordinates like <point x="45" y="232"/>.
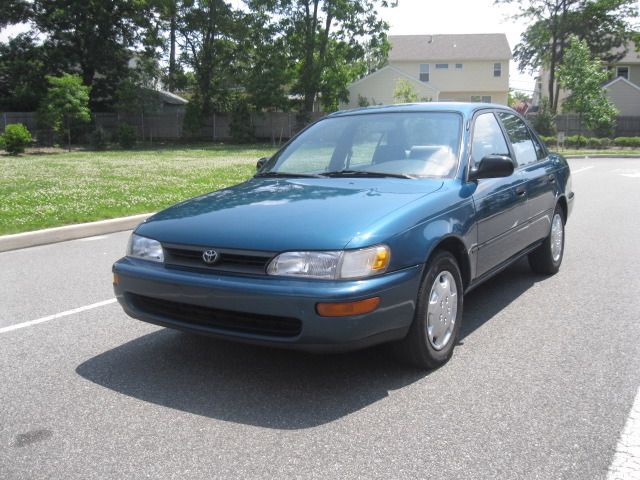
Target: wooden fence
<point x="570" y="124"/>
<point x="272" y="126"/>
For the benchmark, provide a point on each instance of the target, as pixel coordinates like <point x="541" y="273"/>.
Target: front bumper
<point x="272" y="297"/>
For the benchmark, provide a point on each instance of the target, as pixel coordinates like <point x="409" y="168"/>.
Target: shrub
<point x="605" y="142"/>
<point x="544" y="122"/>
<point x="595" y="142"/>
<point x="99" y="138"/>
<point x="627" y="142"/>
<point x="126" y="136"/>
<point x="16" y="138"/>
<point x="549" y="139"/>
<point x="241" y="127"/>
<point x="578" y="141"/>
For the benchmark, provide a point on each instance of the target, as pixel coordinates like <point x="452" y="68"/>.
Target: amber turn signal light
<point x="116" y="279"/>
<point x="346" y="309"/>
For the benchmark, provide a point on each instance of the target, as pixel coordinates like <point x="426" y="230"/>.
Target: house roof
<point x="623" y="81"/>
<point x="471" y="46"/>
<point x="171" y="98"/>
<point x="631" y="56"/>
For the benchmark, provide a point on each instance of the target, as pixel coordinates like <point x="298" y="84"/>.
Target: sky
<point x="413" y="17"/>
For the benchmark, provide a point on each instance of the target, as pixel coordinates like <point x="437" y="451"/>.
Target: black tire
<point x="541" y="260"/>
<point x="417" y="348"/>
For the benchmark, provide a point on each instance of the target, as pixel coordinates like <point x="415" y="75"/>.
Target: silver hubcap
<point x="557" y="232"/>
<point x="442" y="310"/>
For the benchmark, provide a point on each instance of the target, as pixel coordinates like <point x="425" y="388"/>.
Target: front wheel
<point x="546" y="259"/>
<point x="434" y="331"/>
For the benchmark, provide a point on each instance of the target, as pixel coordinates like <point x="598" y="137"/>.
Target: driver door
<point x="500" y="202"/>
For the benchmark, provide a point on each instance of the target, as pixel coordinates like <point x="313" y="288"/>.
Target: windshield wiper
<point x="286" y="175"/>
<point x="364" y="173"/>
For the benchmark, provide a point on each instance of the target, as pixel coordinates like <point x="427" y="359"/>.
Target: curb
<point x="69" y="232"/>
<point x="601" y="155"/>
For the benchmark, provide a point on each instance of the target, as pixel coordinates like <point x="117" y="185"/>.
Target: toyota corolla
<point x="369" y="226"/>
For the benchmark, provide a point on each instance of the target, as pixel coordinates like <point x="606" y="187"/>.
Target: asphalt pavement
<point x="540" y="386"/>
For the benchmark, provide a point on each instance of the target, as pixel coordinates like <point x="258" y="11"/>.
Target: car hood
<point x="286" y="214"/>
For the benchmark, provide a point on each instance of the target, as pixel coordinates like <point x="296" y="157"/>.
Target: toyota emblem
<point x="210" y="257"/>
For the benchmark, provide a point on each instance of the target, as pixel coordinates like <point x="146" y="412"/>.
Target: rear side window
<point x="520" y="137"/>
<point x="487" y="138"/>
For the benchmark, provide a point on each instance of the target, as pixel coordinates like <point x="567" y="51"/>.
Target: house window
<point x="497" y="69"/>
<point x="459" y="66"/>
<point x="476" y="98"/>
<point x="622" y="72"/>
<point x="424" y="72"/>
<point x="486" y="99"/>
<point x="442" y="65"/>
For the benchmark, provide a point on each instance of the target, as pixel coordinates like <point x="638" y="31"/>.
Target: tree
<point x="67" y="101"/>
<point x="603" y="24"/>
<point x="137" y="93"/>
<point x="583" y="76"/>
<point x="516" y="97"/>
<point x="404" y="92"/>
<point x="23" y="66"/>
<point x="331" y="42"/>
<point x="14" y="11"/>
<point x="207" y="34"/>
<point x="95" y="38"/>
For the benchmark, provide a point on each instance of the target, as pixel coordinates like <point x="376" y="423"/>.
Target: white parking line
<point x="18" y="326"/>
<point x="584" y="169"/>
<point x="626" y="462"/>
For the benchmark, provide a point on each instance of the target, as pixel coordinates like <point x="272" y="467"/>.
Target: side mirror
<point x="492" y="166"/>
<point x="261" y="163"/>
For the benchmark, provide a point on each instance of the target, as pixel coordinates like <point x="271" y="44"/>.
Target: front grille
<point x="219" y="319"/>
<point x="232" y="261"/>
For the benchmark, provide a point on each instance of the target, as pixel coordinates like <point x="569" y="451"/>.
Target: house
<point x="465" y="67"/>
<point x="623" y="90"/>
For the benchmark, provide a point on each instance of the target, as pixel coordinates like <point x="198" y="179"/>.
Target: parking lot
<point x="540" y="386"/>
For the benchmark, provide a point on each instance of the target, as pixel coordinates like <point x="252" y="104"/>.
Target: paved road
<point x="540" y="386"/>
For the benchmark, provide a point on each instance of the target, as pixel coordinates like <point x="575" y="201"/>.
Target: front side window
<point x="424" y="72"/>
<point x="421" y="144"/>
<point x="622" y="72"/>
<point x="487" y="138"/>
<point x="520" y="137"/>
<point x="497" y="69"/>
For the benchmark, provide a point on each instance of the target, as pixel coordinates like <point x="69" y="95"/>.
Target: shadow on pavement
<point x="268" y="387"/>
<point x="483" y="303"/>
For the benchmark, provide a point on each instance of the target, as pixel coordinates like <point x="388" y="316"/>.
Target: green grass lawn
<point x="43" y="190"/>
<point x="602" y="152"/>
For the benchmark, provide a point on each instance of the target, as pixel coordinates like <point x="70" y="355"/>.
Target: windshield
<point x="409" y="144"/>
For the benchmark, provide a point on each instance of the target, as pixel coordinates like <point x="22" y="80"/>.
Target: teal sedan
<point x="367" y="227"/>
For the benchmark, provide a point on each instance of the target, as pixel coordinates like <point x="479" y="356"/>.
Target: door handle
<point x="520" y="191"/>
<point x="552" y="178"/>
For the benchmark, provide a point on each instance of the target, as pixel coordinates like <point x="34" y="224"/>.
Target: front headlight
<point x="334" y="265"/>
<point x="145" y="248"/>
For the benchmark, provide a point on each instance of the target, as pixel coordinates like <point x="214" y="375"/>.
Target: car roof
<point x="465" y="108"/>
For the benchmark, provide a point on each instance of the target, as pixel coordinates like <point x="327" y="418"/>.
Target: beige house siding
<point x="473" y="76"/>
<point x="378" y="88"/>
<point x="625" y="96"/>
<point x="496" y="97"/>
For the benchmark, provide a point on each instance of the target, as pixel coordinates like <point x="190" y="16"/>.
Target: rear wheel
<point x="434" y="331"/>
<point x="546" y="259"/>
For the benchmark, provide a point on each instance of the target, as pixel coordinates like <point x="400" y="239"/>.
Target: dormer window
<point x="424" y="72"/>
